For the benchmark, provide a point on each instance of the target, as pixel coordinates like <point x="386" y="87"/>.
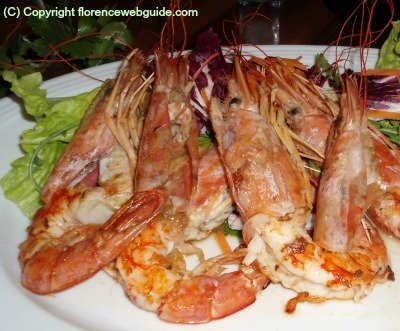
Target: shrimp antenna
<point x="237" y="26"/>
<point x="170" y="29"/>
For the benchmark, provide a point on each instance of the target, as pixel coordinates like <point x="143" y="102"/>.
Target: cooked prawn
<point x="93" y="138"/>
<point x="311" y="122"/>
<point x="50" y="264"/>
<point x="89" y="184"/>
<point x="93" y="177"/>
<point x="385" y="209"/>
<point x="344" y="177"/>
<point x="152" y="268"/>
<point x="269" y="191"/>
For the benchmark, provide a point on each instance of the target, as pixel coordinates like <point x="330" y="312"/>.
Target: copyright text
<point x="16" y="12"/>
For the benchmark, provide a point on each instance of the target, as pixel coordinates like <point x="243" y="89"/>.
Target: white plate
<point x="99" y="303"/>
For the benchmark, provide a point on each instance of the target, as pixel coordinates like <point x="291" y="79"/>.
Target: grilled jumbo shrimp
<point x="89" y="184"/>
<point x="93" y="138"/>
<point x="344" y="177"/>
<point x="50" y="264"/>
<point x="152" y="268"/>
<point x="93" y="177"/>
<point x="311" y="120"/>
<point x="270" y="193"/>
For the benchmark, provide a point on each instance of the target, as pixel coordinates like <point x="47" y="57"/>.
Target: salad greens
<point x="327" y="71"/>
<point x="228" y="231"/>
<point x="205" y="141"/>
<point x="83" y="42"/>
<point x="56" y="121"/>
<point x="390" y="128"/>
<point x="389" y="55"/>
<point x="387" y="93"/>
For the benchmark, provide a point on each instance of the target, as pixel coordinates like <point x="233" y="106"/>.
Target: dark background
<point x="296" y="22"/>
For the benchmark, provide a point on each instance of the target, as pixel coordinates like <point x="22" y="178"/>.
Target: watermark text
<point x="16" y="12"/>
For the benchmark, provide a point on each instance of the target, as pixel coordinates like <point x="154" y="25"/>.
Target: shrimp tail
<point x="204" y="298"/>
<point x="59" y="266"/>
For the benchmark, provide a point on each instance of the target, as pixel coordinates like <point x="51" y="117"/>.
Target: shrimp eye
<point x="294" y="111"/>
<point x="234" y="101"/>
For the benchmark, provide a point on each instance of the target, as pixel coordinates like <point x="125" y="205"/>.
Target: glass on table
<point x="265" y="24"/>
<point x="272" y="3"/>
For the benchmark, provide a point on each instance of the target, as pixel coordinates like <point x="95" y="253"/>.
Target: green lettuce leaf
<point x="390" y="128"/>
<point x="56" y="121"/>
<point x="228" y="231"/>
<point x="205" y="141"/>
<point x="389" y="55"/>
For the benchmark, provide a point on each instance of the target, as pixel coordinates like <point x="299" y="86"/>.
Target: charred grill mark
<point x="390" y="274"/>
<point x="299" y="246"/>
<point x="297" y="251"/>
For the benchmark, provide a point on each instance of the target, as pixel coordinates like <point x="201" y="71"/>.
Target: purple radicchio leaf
<point x="203" y="123"/>
<point x="314" y="74"/>
<point x="219" y="90"/>
<point x="219" y="70"/>
<point x="383" y="91"/>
